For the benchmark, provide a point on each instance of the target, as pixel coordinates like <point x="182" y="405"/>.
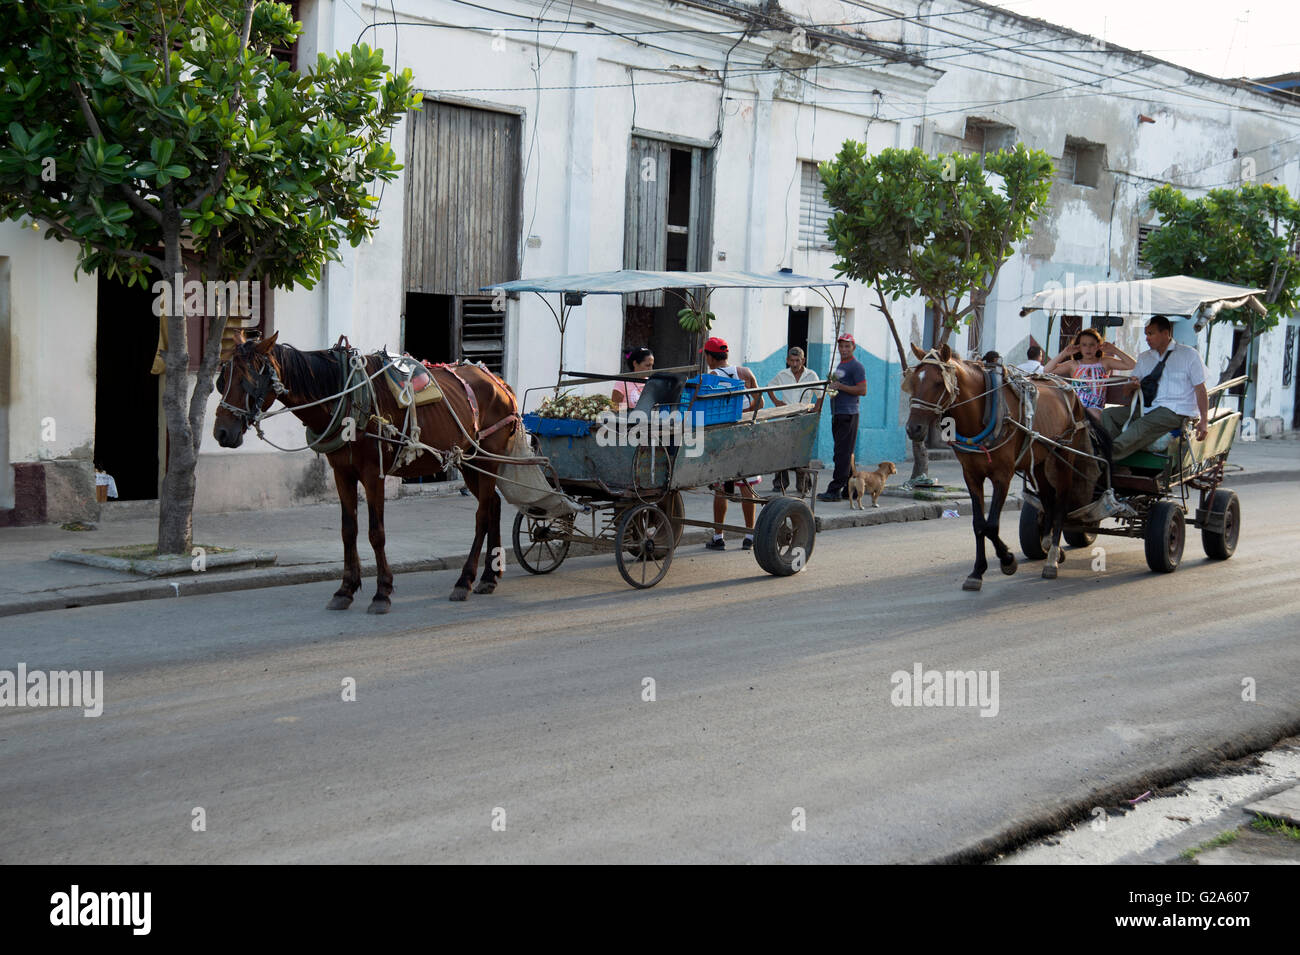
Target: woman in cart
<point x="629" y="392"/>
<point x="1090" y="361"/>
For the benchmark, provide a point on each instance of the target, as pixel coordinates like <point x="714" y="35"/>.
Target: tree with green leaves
<point x="163" y="137"/>
<point x="1245" y="236"/>
<point x="936" y="226"/>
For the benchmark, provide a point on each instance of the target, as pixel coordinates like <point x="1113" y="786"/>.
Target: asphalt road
<point x="771" y="696"/>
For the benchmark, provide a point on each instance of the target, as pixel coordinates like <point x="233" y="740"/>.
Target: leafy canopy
<point x="122" y="121"/>
<point x="1244" y="236"/>
<point x="940" y="227"/>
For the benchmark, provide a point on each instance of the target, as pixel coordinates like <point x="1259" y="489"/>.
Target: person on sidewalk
<point x="796" y="370"/>
<point x="849" y="383"/>
<point x="716" y="356"/>
<point x="1172" y="379"/>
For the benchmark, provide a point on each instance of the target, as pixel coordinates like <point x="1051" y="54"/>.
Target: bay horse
<point x="1041" y="445"/>
<point x="260" y="372"/>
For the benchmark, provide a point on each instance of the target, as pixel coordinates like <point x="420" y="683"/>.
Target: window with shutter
<point x="814" y="211"/>
<point x="1140" y="267"/>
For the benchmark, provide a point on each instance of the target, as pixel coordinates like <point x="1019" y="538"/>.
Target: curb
<point x="230" y="582"/>
<point x="200" y="584"/>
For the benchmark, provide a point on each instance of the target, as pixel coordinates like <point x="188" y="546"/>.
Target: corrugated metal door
<point x="462" y="199"/>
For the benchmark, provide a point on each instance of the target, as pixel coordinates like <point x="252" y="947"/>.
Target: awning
<point x="627" y="281"/>
<point x="1174" y="295"/>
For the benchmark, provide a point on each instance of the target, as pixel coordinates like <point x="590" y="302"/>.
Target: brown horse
<point x="308" y="384"/>
<point x="943" y="387"/>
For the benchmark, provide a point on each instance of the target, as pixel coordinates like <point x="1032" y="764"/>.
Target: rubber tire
<point x="1166" y="536"/>
<point x="1031" y="532"/>
<point x="625" y="552"/>
<point x="520" y="555"/>
<point x="784" y="524"/>
<point x="1221" y="546"/>
<point x="1079" y="538"/>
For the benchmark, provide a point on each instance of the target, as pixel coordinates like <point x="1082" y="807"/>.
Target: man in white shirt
<point x="1034" y="366"/>
<point x="1180" y="396"/>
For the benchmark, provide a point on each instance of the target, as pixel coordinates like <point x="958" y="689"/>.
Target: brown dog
<point x="862" y="483"/>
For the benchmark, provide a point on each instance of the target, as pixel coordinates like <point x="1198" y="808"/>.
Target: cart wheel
<point x="1079" y="538"/>
<point x="784" y="535"/>
<point x="1220" y="544"/>
<point x="1031" y="532"/>
<point x="541" y="543"/>
<point x="643" y="545"/>
<point x="1165" y="537"/>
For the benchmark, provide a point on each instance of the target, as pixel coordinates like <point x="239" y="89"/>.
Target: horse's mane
<point x="312" y="374"/>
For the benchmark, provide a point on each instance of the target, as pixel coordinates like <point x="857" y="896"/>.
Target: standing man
<point x="1172" y="379"/>
<point x="796" y="370"/>
<point x="849" y="383"/>
<point x="716" y="357"/>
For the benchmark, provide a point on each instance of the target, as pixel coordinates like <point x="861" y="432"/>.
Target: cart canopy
<point x="628" y="281"/>
<point x="1178" y="296"/>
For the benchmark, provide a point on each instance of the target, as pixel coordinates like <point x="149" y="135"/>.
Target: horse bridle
<point x="251" y="415"/>
<point x="949" y="386"/>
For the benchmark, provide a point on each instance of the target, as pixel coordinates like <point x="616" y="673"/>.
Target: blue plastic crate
<point x="573" y="427"/>
<point x="716" y="410"/>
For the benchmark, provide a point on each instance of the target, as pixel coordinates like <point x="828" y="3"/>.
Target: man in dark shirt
<point x="849" y="383"/>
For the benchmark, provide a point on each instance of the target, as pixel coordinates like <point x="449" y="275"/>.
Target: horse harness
<point x="999" y="427"/>
<point x="357" y="402"/>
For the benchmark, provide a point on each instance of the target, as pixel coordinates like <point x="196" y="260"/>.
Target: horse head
<point x="933" y="385"/>
<point x="249" y="384"/>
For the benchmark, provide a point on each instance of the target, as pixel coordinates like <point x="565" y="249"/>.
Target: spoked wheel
<point x="1032" y="529"/>
<point x="541" y="543"/>
<point x="643" y="545"/>
<point x="1222" y="543"/>
<point x="1165" y="537"/>
<point x="784" y="535"/>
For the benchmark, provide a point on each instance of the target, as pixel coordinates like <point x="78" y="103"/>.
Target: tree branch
<point x="67" y="233"/>
<point x="223" y="165"/>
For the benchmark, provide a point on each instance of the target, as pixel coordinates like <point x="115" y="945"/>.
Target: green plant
<point x="164" y="138"/>
<point x="1222" y="839"/>
<point x="1269" y="824"/>
<point x="1245" y="236"/>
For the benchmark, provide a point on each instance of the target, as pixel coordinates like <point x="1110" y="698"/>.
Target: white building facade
<point x="653" y="135"/>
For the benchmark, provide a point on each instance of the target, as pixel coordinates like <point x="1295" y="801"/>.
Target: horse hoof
<point x="1060" y="558"/>
<point x="1049" y="572"/>
<point x="1010" y="566"/>
<point x="459" y="594"/>
<point x="380" y="605"/>
<point x="972" y="583"/>
<point x="486" y="588"/>
<point x="339" y="602"/>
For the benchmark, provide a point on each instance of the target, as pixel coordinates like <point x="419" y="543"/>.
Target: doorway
<point x="126" y="393"/>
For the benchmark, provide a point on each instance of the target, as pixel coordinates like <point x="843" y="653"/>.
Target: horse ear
<point x="264" y="347"/>
<point x="917" y="352"/>
<point x="945" y="353"/>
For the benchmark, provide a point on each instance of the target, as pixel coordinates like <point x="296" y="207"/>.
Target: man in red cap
<point x="716" y="357"/>
<point x="848" y="383"/>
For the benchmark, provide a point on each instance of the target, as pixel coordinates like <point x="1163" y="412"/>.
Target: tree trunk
<point x="176" y="496"/>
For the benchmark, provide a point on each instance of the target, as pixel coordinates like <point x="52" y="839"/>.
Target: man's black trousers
<point x="844" y="431"/>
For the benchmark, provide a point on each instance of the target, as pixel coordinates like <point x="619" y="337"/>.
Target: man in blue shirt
<point x="849" y="383"/>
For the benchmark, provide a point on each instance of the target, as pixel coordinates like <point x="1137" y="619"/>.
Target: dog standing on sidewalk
<point x="862" y="483"/>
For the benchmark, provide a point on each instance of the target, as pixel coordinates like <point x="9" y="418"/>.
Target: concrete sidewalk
<point x="425" y="532"/>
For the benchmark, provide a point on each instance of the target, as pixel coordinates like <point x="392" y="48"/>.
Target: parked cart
<point x="624" y="477"/>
